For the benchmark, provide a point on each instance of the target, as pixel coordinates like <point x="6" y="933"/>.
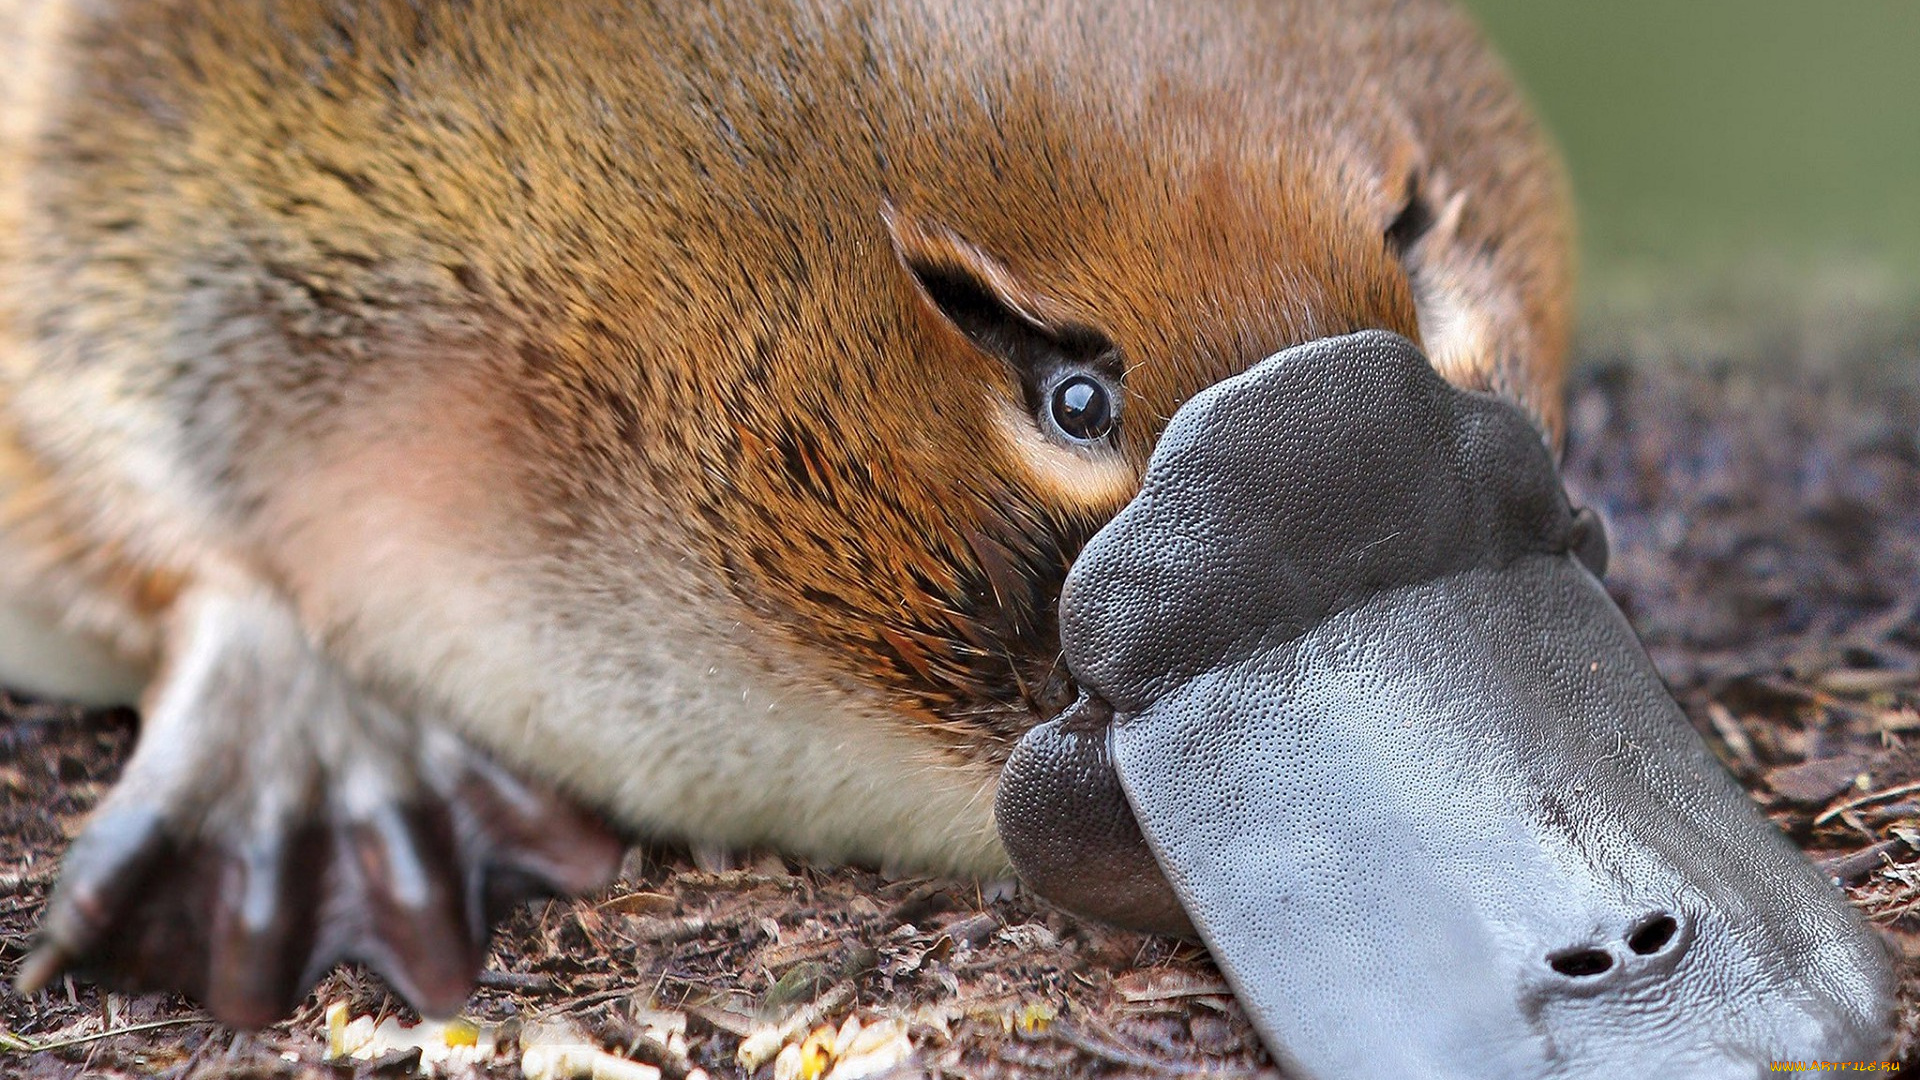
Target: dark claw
<point x="424" y="938"/>
<point x="533" y="833"/>
<point x="99" y="876"/>
<point x="1587" y="539"/>
<point x="136" y="908"/>
<point x="247" y="925"/>
<point x="261" y="930"/>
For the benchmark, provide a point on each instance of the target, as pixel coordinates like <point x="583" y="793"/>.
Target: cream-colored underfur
<point x="44" y="650"/>
<point x="649" y="710"/>
<point x="39" y="657"/>
<point x="1095" y="481"/>
<point x="47" y="628"/>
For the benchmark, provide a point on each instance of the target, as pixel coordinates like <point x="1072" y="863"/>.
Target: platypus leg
<point x="275" y="819"/>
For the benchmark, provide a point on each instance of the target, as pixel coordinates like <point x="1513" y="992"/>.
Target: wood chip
<point x="1865" y="800"/>
<point x="1166" y="984"/>
<point x="1860" y="865"/>
<point x="1862" y="681"/>
<point x="640" y="903"/>
<point x="1814" y="782"/>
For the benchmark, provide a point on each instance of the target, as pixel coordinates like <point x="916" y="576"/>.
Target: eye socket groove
<point x="1070" y="376"/>
<point x="1413" y="222"/>
<point x="972" y="306"/>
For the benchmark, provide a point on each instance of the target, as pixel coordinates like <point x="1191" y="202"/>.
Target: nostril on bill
<point x="1580" y="963"/>
<point x="1652" y="934"/>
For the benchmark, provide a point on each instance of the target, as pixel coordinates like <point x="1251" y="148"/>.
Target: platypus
<point x="1110" y="440"/>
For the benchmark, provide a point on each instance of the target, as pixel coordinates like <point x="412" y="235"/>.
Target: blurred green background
<point x="1753" y="160"/>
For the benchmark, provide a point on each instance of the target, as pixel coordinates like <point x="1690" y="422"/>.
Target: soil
<point x="1766" y="542"/>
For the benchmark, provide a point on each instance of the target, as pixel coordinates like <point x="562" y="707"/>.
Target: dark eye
<point x="1082" y="408"/>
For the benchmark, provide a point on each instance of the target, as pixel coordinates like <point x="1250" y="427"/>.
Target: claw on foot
<point x="274" y="821"/>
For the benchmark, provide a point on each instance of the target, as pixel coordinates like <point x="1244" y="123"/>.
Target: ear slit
<point x="972" y="306"/>
<point x="1070" y="376"/>
<point x="1415" y="219"/>
<point x="981" y="299"/>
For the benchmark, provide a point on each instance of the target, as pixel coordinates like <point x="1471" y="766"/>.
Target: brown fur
<point x="574" y="281"/>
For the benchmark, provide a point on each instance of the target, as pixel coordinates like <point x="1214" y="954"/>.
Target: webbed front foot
<point x="274" y="820"/>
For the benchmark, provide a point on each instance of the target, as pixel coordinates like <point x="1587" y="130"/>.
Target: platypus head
<point x="1339" y="688"/>
<point x="1347" y="663"/>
